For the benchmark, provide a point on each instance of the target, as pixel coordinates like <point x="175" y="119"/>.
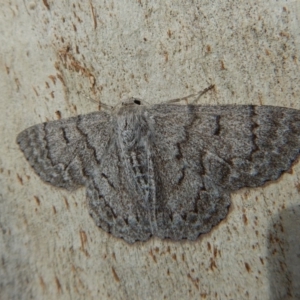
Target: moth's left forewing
<point x="63" y="152"/>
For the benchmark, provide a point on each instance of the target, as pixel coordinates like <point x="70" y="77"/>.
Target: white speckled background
<point x="56" y="56"/>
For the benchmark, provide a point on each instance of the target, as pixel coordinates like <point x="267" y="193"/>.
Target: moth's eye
<point x="138" y="102"/>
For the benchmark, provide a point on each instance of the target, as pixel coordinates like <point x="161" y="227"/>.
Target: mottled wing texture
<point x="65" y="152"/>
<point x="203" y="153"/>
<point x="84" y="151"/>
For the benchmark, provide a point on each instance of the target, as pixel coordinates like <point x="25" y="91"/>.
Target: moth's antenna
<point x="101" y="104"/>
<point x="199" y="94"/>
<point x="105" y="106"/>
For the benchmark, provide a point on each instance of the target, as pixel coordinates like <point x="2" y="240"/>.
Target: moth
<point x="165" y="170"/>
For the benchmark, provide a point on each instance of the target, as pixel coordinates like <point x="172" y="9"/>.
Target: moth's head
<point x="132" y="102"/>
<point x="132" y="105"/>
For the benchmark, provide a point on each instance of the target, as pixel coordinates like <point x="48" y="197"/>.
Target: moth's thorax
<point x="133" y="138"/>
<point x="131" y="124"/>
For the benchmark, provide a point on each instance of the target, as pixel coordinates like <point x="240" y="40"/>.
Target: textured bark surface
<point x="56" y="57"/>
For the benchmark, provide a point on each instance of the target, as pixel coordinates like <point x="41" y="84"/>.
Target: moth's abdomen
<point x="139" y="163"/>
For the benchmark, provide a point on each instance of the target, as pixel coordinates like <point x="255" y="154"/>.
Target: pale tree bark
<point x="58" y="55"/>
